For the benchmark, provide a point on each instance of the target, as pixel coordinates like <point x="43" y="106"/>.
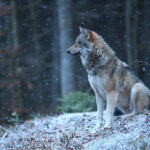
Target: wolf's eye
<point x="84" y="45"/>
<point x="79" y="42"/>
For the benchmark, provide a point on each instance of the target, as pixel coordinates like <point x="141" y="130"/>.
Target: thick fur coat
<point x="110" y="78"/>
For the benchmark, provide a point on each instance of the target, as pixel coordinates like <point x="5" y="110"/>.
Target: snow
<point x="74" y="132"/>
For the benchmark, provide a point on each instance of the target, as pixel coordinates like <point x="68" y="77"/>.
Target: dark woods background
<point x="34" y="34"/>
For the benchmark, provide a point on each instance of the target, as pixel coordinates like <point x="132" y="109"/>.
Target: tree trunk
<point x="65" y="41"/>
<point x="38" y="60"/>
<point x="131" y="24"/>
<point x="55" y="63"/>
<point x="135" y="34"/>
<point x="144" y="42"/>
<point x="17" y="99"/>
<point x="128" y="31"/>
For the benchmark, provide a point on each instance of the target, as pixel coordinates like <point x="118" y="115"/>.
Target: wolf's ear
<point x="89" y="35"/>
<point x="85" y="32"/>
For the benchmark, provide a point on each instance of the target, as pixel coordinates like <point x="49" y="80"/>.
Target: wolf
<point x="110" y="78"/>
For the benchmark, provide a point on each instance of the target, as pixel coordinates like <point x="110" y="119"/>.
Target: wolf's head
<point x="92" y="48"/>
<point x="84" y="42"/>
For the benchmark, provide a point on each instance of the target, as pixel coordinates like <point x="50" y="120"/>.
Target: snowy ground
<point x="74" y="132"/>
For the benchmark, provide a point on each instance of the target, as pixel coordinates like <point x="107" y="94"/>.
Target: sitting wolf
<point x="110" y="78"/>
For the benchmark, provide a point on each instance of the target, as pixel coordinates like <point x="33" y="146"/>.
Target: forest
<point x="35" y="69"/>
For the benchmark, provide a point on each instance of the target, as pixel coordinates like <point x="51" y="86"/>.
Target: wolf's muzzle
<point x="68" y="51"/>
<point x="72" y="53"/>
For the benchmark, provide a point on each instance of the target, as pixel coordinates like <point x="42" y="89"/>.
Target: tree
<point x="55" y="61"/>
<point x="65" y="41"/>
<point x="131" y="26"/>
<point x="17" y="99"/>
<point x="38" y="58"/>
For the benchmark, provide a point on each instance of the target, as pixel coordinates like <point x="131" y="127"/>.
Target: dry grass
<point x="73" y="132"/>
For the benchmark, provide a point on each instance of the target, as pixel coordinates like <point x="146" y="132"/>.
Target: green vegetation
<point x="76" y="102"/>
<point x="14" y="119"/>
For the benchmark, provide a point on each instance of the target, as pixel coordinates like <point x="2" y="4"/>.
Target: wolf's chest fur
<point x="97" y="85"/>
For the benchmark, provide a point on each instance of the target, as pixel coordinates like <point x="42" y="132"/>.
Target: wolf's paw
<point x="107" y="126"/>
<point x="97" y="128"/>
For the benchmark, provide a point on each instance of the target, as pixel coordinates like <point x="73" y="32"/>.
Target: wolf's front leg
<point x="100" y="108"/>
<point x="110" y="108"/>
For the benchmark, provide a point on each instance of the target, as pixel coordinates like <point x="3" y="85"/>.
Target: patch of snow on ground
<point x="74" y="132"/>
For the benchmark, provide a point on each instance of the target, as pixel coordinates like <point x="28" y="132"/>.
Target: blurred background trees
<point x="34" y="67"/>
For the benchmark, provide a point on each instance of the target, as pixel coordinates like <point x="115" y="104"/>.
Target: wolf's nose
<point x="68" y="51"/>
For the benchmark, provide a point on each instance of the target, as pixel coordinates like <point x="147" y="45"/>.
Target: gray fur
<point x="110" y="78"/>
